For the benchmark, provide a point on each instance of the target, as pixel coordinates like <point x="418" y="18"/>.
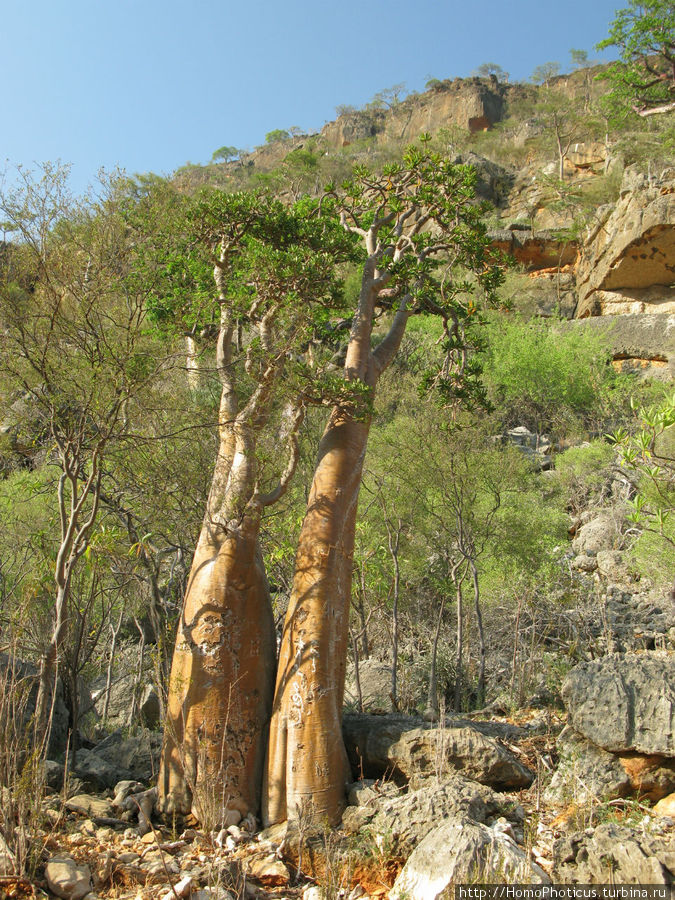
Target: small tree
<point x="486" y="69"/>
<point x="225" y="154"/>
<point x="276" y="135"/>
<point x="545" y="72"/>
<point x="389" y="98"/>
<point x="76" y="344"/>
<point x="650" y="454"/>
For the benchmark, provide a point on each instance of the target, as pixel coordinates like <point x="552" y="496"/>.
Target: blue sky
<point x="151" y="84"/>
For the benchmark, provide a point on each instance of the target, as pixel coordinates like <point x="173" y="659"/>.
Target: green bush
<point x="544" y="378"/>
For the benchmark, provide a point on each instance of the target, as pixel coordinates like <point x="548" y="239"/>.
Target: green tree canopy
<point x="643" y="79"/>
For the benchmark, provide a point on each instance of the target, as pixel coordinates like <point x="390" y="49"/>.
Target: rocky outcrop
<point x="625" y="702"/>
<point x="612" y="853"/>
<point x="643" y="342"/>
<point x="586" y="773"/>
<point x="20" y="678"/>
<point x="399" y="744"/>
<point x="473" y="104"/>
<point x="628" y="259"/>
<point x="535" y="250"/>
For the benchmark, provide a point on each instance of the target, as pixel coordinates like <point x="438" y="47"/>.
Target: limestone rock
<point x="137" y="754"/>
<point x="543" y="249"/>
<point x="644" y="342"/>
<point x="269" y="871"/>
<point x="624" y="702"/>
<point x="598" y="534"/>
<point x="612" y="853"/>
<point x="14" y="670"/>
<point x="375" y="681"/>
<point x="632" y="246"/>
<point x="403" y="821"/>
<point x="585" y="772"/>
<point x="459" y="850"/>
<point x="383" y="743"/>
<point x="67" y="879"/>
<point x="90" y="806"/>
<point x="96" y="772"/>
<point x="666" y="806"/>
<point x="651" y="777"/>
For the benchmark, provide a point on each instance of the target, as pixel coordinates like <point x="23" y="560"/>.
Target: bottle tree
<point x="273" y="281"/>
<point x="426" y="250"/>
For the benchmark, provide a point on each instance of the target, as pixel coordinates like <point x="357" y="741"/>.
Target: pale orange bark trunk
<point x="222" y="676"/>
<point x="307" y="765"/>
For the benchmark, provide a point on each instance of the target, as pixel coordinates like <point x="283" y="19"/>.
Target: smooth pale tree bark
<point x="307" y="766"/>
<point x="222" y="674"/>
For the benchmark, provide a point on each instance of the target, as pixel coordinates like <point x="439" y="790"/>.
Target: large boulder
<point x="613" y="853"/>
<point x="136" y="756"/>
<point x="399" y="744"/>
<point x="587" y="773"/>
<point x="96" y="772"/>
<point x="460" y="851"/>
<point x="625" y="702"/>
<point x="631" y="251"/>
<point x="402" y="821"/>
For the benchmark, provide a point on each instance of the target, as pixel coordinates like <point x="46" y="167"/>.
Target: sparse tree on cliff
<point x="422" y="234"/>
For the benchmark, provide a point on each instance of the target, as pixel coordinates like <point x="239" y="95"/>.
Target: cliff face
<point x="470" y="104"/>
<point x="628" y="261"/>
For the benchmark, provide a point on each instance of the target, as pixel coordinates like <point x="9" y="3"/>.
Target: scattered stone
<point x="459" y="850"/>
<point x="181" y="889"/>
<point x="269" y="871"/>
<point x="666" y="806"/>
<point x="67" y="879"/>
<point x="104" y="835"/>
<point x="231" y="817"/>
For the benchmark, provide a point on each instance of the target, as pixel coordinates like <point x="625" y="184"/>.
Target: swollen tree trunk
<point x="307" y="767"/>
<point x="220" y="692"/>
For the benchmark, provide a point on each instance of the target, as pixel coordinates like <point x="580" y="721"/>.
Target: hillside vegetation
<point x="391" y="404"/>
